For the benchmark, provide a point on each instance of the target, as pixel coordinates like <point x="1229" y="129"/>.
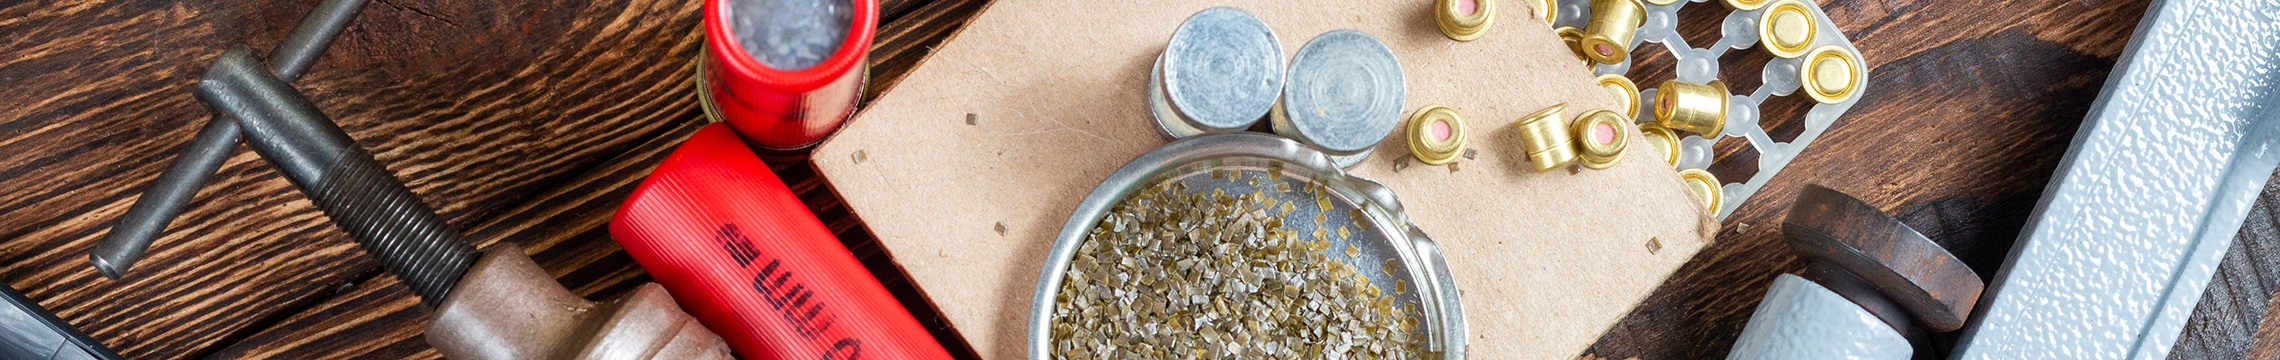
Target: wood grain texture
<point x="533" y="119"/>
<point x="475" y="105"/>
<point x="566" y="230"/>
<point x="1967" y="111"/>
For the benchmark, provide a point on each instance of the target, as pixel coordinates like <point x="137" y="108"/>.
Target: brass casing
<point x="1545" y="138"/>
<point x="1662" y="140"/>
<point x="1607" y="39"/>
<point x="1664" y="2"/>
<point x="1421" y="142"/>
<point x="1705" y="188"/>
<point x="1625" y="92"/>
<point x="1574" y="39"/>
<point x="1461" y="27"/>
<point x="1595" y="154"/>
<point x="1745" y="5"/>
<point x="1831" y="75"/>
<point x="1786" y="28"/>
<point x="1550" y="9"/>
<point x="1695" y="108"/>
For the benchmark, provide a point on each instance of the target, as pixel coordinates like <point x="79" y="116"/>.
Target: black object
<point x="360" y="196"/>
<point x="28" y="332"/>
<point x="132" y="236"/>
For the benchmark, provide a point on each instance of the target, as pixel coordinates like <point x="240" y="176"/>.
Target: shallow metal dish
<point x="1386" y="233"/>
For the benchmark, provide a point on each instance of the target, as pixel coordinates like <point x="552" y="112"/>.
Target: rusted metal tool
<point x="495" y="304"/>
<point x="1868" y="279"/>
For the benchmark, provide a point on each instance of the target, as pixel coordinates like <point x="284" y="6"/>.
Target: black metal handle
<point x="167" y="197"/>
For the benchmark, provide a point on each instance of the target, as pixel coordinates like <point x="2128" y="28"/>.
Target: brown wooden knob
<point x="1834" y="230"/>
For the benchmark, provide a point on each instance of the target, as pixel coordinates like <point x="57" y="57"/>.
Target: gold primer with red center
<point x="1601" y="136"/>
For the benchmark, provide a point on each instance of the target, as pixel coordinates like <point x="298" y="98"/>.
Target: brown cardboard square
<point x="1546" y="261"/>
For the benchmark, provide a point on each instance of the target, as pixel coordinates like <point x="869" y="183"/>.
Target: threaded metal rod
<point x="375" y="208"/>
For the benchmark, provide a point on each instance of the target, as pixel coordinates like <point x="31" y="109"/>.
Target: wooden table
<point x="528" y="121"/>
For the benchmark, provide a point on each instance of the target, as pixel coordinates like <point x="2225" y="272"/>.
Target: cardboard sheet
<point x="1546" y="261"/>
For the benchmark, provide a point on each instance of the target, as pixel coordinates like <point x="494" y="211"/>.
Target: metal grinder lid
<point x="1223" y="68"/>
<point x="1345" y="93"/>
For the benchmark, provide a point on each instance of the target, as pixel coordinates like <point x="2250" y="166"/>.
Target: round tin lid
<point x="1223" y="68"/>
<point x="1345" y="92"/>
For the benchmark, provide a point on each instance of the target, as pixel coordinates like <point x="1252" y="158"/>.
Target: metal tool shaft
<point x="376" y="209"/>
<point x="168" y="196"/>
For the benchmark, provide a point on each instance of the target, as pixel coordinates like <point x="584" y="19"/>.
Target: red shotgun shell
<point x="738" y="250"/>
<point x="796" y="104"/>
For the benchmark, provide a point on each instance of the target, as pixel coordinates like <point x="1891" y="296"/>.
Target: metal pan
<point x="1386" y="236"/>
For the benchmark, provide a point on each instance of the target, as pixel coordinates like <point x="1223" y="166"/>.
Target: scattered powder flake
<point x="1742" y="228"/>
<point x="972" y="119"/>
<point x="1402" y="163"/>
<point x="1001" y="228"/>
<point x="1183" y="274"/>
<point x="1654" y="245"/>
<point x="1470" y="153"/>
<point x="1454" y="166"/>
<point x="858" y="156"/>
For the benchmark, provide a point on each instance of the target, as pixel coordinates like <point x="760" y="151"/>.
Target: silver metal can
<point x="1220" y="73"/>
<point x="1345" y="95"/>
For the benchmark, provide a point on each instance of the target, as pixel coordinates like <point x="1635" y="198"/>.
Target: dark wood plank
<point x="476" y="105"/>
<point x="565" y="230"/>
<point x="2227" y="319"/>
<point x="1968" y="110"/>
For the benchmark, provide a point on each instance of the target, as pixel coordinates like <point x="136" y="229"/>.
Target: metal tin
<point x="786" y="85"/>
<point x="1546" y="139"/>
<point x="1221" y="71"/>
<point x="1746" y="5"/>
<point x="1436" y="134"/>
<point x="1696" y="108"/>
<point x="1345" y="95"/>
<point x="1662" y="139"/>
<point x="1625" y="92"/>
<point x="1464" y="20"/>
<point x="1705" y="188"/>
<point x="1786" y="28"/>
<point x="1607" y="38"/>
<point x="1831" y="74"/>
<point x="1574" y="39"/>
<point x="1386" y="236"/>
<point x="1600" y="137"/>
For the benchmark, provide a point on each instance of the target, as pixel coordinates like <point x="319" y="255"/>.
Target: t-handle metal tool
<point x="496" y="304"/>
<point x="166" y="198"/>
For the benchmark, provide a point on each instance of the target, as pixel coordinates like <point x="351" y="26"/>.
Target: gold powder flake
<point x="1188" y="275"/>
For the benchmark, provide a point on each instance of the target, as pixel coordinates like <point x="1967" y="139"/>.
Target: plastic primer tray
<point x="1700" y="65"/>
